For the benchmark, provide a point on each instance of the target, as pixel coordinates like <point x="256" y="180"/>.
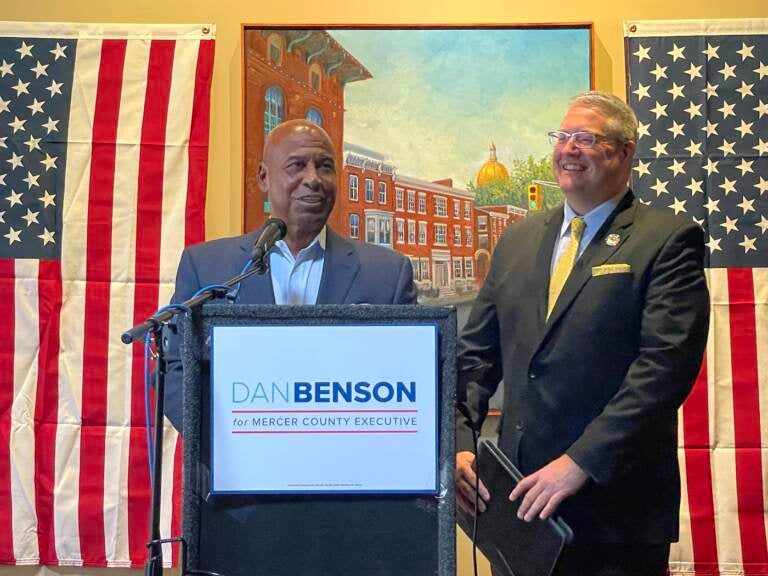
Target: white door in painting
<point x="442" y="274"/>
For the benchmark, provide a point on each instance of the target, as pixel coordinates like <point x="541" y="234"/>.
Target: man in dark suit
<point x="312" y="265"/>
<point x="595" y="314"/>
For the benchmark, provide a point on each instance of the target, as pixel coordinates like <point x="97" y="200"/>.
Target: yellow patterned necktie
<point x="565" y="263"/>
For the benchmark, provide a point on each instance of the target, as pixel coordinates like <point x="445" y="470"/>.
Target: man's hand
<point x="545" y="489"/>
<point x="465" y="484"/>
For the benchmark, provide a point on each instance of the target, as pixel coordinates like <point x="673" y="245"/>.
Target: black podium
<point x="315" y="534"/>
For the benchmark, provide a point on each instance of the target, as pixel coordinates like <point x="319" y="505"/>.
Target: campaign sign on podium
<point x="330" y="409"/>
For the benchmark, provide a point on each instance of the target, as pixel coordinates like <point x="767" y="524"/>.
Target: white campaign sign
<point x="306" y="409"/>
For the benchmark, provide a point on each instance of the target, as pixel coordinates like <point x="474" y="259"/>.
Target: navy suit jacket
<point x="353" y="273"/>
<point x="602" y="378"/>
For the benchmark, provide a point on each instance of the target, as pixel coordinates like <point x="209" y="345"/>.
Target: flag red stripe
<point x="698" y="469"/>
<point x="198" y="146"/>
<point x="7" y="341"/>
<point x="46" y="406"/>
<point x="98" y="256"/>
<point x="148" y="232"/>
<point x="746" y="408"/>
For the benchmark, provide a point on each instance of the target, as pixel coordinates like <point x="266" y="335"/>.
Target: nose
<point x="570" y="146"/>
<point x="311" y="177"/>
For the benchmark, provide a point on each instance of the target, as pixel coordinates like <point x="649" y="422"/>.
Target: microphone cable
<point x="234" y="292"/>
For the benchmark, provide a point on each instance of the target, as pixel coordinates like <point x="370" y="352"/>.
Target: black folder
<point x="514" y="547"/>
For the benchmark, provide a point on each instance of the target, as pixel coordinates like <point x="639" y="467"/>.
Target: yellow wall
<point x="224" y="210"/>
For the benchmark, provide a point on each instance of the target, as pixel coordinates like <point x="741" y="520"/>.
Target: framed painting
<point x="440" y="132"/>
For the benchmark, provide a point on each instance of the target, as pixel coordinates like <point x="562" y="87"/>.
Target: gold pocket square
<point x="611" y="269"/>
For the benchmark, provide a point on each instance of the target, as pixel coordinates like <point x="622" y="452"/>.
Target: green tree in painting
<point x="515" y="190"/>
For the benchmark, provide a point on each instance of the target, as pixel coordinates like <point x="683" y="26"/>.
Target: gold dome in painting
<point x="492" y="170"/>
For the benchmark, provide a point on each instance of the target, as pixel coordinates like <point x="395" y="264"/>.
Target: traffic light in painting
<point x="534" y="198"/>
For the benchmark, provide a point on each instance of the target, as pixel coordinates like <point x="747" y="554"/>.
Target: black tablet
<point x="513" y="546"/>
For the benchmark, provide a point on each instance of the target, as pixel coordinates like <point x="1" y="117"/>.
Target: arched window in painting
<point x="314" y="115"/>
<point x="315" y="77"/>
<point x="274" y="108"/>
<point x="275" y="49"/>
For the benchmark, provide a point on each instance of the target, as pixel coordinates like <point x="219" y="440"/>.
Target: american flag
<point x="700" y="91"/>
<point x="103" y="164"/>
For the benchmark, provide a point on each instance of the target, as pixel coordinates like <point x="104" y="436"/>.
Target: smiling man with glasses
<point x="595" y="314"/>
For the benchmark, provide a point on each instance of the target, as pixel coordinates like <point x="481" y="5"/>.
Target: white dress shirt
<point x="297" y="280"/>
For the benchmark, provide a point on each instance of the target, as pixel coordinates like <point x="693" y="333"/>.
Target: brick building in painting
<point x="292" y="74"/>
<point x="490" y="223"/>
<point x="430" y="222"/>
<point x="434" y="225"/>
<point x="365" y="196"/>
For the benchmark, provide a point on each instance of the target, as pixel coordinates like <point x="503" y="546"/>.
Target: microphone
<point x="274" y="230"/>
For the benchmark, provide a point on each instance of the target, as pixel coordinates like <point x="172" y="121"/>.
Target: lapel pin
<point x="612" y="239"/>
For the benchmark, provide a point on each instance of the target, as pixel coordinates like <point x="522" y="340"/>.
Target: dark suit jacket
<point x="602" y="379"/>
<point x="353" y="273"/>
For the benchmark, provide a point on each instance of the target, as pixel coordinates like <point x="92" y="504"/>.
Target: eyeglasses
<point x="580" y="139"/>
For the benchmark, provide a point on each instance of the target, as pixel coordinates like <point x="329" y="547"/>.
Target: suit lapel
<point x="618" y="226"/>
<point x="256" y="289"/>
<point x="339" y="269"/>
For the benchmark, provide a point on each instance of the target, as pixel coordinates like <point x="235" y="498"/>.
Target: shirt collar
<point x="315" y="250"/>
<point x="595" y="217"/>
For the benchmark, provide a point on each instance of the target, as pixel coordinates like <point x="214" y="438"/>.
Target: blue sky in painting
<point x="439" y="97"/>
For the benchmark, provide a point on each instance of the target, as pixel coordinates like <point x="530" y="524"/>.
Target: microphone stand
<point x="154" y="325"/>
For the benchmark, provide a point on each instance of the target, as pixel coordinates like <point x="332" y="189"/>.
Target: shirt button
<point x="519" y="425"/>
<point x="532" y="375"/>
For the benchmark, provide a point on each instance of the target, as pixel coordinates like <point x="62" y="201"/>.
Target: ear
<point x="262" y="177"/>
<point x="628" y="150"/>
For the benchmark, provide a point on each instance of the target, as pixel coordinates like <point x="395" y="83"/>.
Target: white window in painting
<point x="368" y="190"/>
<point x="378" y="227"/>
<point x="398" y="198"/>
<point x="354" y="226"/>
<point x="441" y="231"/>
<point x="441" y="206"/>
<point x="457" y="268"/>
<point x="425" y="268"/>
<point x="469" y="271"/>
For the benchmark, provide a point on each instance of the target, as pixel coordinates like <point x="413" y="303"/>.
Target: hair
<point x="620" y="118"/>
